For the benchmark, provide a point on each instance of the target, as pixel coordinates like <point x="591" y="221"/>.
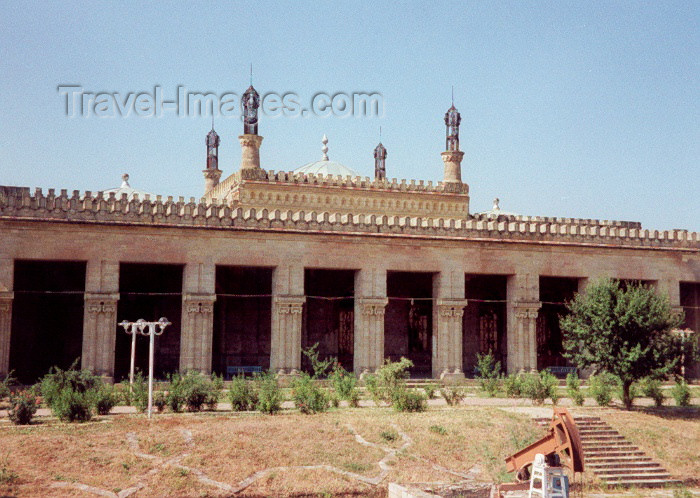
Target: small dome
<point x="125" y="188"/>
<point x="325" y="166"/>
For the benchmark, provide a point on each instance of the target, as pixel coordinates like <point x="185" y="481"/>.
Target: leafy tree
<point x="624" y="331"/>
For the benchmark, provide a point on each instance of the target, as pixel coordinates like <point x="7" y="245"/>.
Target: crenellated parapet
<point x="21" y="205"/>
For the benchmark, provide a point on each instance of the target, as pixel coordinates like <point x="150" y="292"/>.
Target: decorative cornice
<point x="21" y="206"/>
<point x="372" y="305"/>
<point x="199" y="303"/>
<point x="449" y="307"/>
<point x="6" y="299"/>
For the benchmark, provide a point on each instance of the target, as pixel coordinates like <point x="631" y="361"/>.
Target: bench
<point x="231" y="371"/>
<point x="561" y="372"/>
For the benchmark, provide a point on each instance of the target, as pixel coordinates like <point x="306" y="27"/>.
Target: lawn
<point x="345" y="452"/>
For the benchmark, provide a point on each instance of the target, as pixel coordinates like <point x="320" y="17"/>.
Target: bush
<point x="633" y="392"/>
<point x="573" y="388"/>
<point x="160" y="401"/>
<point x="389" y="380"/>
<point x="269" y="394"/>
<point x="5" y="384"/>
<point x="71" y="394"/>
<point x="23" y="406"/>
<point x="488" y="371"/>
<point x="139" y="393"/>
<point x="320" y="368"/>
<point x="345" y="385"/>
<point x="681" y="393"/>
<point x="538" y="387"/>
<point x="105" y="399"/>
<point x="308" y="396"/>
<point x="513" y="385"/>
<point x="242" y="394"/>
<point x="217" y="386"/>
<point x="600" y="387"/>
<point x="651" y="388"/>
<point x="73" y="406"/>
<point x="407" y="400"/>
<point x="453" y="395"/>
<point x="429" y="391"/>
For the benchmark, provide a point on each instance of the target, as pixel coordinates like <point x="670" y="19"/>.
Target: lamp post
<point x="151" y="329"/>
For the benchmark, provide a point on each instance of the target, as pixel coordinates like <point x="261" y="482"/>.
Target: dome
<point x="125" y="188"/>
<point x="496" y="211"/>
<point x="326" y="166"/>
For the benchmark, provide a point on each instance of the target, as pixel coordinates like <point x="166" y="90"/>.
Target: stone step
<point x="599" y="460"/>
<point x="620" y="446"/>
<point x="624" y="463"/>
<point x="615" y="478"/>
<point x="616" y="454"/>
<point x="645" y="483"/>
<point x="655" y="472"/>
<point x="598" y="438"/>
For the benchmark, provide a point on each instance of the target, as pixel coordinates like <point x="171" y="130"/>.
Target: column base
<point x="452" y="377"/>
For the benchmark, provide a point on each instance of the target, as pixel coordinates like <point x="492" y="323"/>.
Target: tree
<point x="625" y="331"/>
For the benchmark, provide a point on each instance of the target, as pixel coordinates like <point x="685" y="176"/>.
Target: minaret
<point x="380" y="162"/>
<point x="212" y="173"/>
<point x="452" y="157"/>
<point x="250" y="140"/>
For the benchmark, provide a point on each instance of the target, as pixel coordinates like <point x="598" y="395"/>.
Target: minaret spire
<point x="452" y="157"/>
<point x="380" y="159"/>
<point x="212" y="173"/>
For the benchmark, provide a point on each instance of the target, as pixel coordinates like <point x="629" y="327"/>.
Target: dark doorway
<point x="149" y="291"/>
<point x="484" y="323"/>
<point x="329" y="315"/>
<point x="47" y="317"/>
<point x="690" y="301"/>
<point x="555" y="293"/>
<point x="408" y="323"/>
<point x="242" y="318"/>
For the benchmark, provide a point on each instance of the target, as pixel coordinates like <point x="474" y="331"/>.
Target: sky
<point x="575" y="109"/>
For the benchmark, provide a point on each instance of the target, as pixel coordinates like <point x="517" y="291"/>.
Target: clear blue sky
<point x="580" y="109"/>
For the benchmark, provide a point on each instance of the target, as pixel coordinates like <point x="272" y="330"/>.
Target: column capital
<point x="199" y="303"/>
<point x="372" y="305"/>
<point x="526" y="309"/>
<point x="6" y="301"/>
<point x="101" y="302"/>
<point x="451" y="307"/>
<point x="289" y="304"/>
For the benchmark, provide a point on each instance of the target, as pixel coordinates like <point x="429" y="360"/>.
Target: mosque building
<point x="268" y="263"/>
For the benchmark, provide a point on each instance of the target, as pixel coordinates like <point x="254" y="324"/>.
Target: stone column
<point x="370" y="305"/>
<point x="448" y="310"/>
<point x="197" y="329"/>
<point x="522" y="309"/>
<point x="5" y="331"/>
<point x="100" y="317"/>
<point x="7" y="267"/>
<point x="287" y="305"/>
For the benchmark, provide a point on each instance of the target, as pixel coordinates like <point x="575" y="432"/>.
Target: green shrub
<point x="269" y="394"/>
<point x="23" y="406"/>
<point x="105" y="399"/>
<point x="139" y="393"/>
<point x="242" y="394"/>
<point x="372" y="386"/>
<point x="651" y="388"/>
<point x="573" y="389"/>
<point x="438" y="429"/>
<point x="389" y="436"/>
<point x="620" y="393"/>
<point x="389" y="381"/>
<point x="453" y="395"/>
<point x="540" y="386"/>
<point x="124" y="392"/>
<point x="600" y="387"/>
<point x="488" y="371"/>
<point x="429" y="391"/>
<point x="345" y="385"/>
<point x="73" y="406"/>
<point x="681" y="393"/>
<point x="160" y="401"/>
<point x="513" y="385"/>
<point x="308" y="396"/>
<point x="5" y="385"/>
<point x="71" y="394"/>
<point x="319" y="367"/>
<point x="408" y="400"/>
<point x="217" y="387"/>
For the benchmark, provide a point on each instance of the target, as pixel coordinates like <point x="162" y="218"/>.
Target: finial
<point x="125" y="180"/>
<point x="251" y="74"/>
<point x="212" y="121"/>
<point x="495" y="204"/>
<point x="453" y="95"/>
<point x="324" y="149"/>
